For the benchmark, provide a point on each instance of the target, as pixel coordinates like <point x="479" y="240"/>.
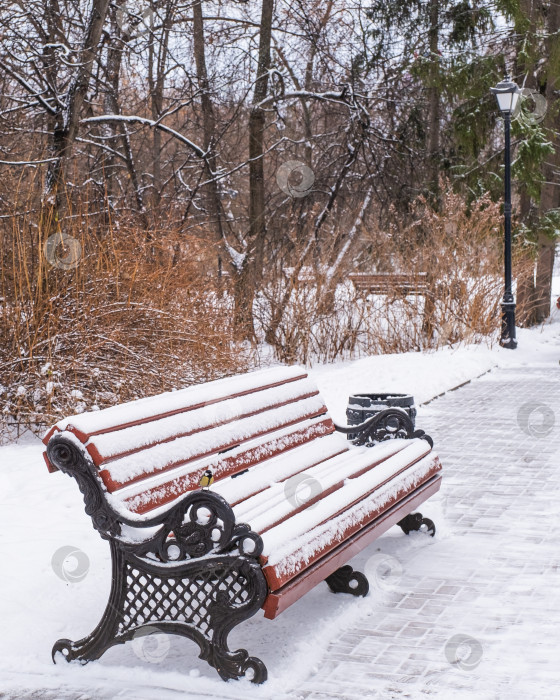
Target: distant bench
<point x="390" y="283"/>
<point x="183" y="562"/>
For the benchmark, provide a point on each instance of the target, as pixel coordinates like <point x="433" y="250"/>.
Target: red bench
<point x="183" y="561"/>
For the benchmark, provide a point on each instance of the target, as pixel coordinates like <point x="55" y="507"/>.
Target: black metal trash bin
<point x="364" y="406"/>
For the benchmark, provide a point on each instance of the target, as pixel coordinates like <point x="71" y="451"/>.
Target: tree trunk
<point x="550" y="193"/>
<point x="112" y="106"/>
<point x="156" y="103"/>
<point x="543" y="278"/>
<point x="68" y="116"/>
<point x="111" y="100"/>
<point x="434" y="127"/>
<point x="539" y="294"/>
<point x="252" y="268"/>
<point x="65" y="128"/>
<point x="213" y="198"/>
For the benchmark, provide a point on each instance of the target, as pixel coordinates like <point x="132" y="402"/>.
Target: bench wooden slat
<point x="116" y="444"/>
<point x="272" y="506"/>
<point x="388" y="276"/>
<point x="281" y="467"/>
<point x="269" y="448"/>
<point x="349" y="492"/>
<point x="125" y="415"/>
<point x="281" y="599"/>
<point x="163" y="457"/>
<point x="384" y="282"/>
<point x="294" y="555"/>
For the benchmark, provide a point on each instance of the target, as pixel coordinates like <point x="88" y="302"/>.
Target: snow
<point x="238" y="259"/>
<point x="297" y="533"/>
<point x="131" y="497"/>
<point x="178" y="400"/>
<point x="273" y="505"/>
<point x="427" y="375"/>
<point x="282" y="467"/>
<point x="42" y="513"/>
<point x="288" y="558"/>
<point x="135" y="437"/>
<point x="182" y="449"/>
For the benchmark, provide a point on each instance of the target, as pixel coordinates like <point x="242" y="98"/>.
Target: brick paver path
<point x="475" y="612"/>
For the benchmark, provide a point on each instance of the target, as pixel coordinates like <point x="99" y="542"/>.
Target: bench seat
<point x="301" y="538"/>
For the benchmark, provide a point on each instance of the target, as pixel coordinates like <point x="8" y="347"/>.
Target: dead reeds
<point x="106" y="313"/>
<point x="103" y="316"/>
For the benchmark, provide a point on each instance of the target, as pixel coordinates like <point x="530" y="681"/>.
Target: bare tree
<point x="66" y="109"/>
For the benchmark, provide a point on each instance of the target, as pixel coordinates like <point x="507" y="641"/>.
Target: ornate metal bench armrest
<point x="388" y="424"/>
<point x="220" y="533"/>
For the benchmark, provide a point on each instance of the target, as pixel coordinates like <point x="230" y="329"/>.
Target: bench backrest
<point x="412" y="283"/>
<point x="149" y="452"/>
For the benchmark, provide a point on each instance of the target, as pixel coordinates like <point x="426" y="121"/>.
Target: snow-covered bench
<point x="183" y="561"/>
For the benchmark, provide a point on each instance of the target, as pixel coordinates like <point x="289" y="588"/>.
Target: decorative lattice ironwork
<point x="152" y="599"/>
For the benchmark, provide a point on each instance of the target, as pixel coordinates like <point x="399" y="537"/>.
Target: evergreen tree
<point x="439" y="60"/>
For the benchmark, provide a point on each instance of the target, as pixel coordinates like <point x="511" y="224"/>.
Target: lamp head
<point x="507" y="96"/>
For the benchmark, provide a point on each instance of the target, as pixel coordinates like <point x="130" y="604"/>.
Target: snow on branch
<point x="237" y="259"/>
<point x="103" y="146"/>
<point x="31" y="163"/>
<point x="350" y="237"/>
<point x="147" y="122"/>
<point x="30" y="89"/>
<point x="307" y="95"/>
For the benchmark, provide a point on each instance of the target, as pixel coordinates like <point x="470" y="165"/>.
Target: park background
<point x="186" y="188"/>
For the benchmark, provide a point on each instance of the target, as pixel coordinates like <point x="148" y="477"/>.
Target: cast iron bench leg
<point x="416" y="521"/>
<point x="202" y="600"/>
<point x="104" y="635"/>
<point x="346" y="580"/>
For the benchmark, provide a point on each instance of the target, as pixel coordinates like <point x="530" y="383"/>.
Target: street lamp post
<point x="507" y="95"/>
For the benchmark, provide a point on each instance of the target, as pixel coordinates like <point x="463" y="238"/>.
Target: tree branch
<point x="146" y="122"/>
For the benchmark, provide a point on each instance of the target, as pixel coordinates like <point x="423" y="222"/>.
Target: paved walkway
<point x="476" y="612"/>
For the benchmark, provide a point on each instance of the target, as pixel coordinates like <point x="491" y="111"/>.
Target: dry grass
<point x="130" y="319"/>
<point x="460" y="250"/>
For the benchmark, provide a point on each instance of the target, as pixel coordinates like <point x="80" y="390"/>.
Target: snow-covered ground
<point x="48" y="593"/>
